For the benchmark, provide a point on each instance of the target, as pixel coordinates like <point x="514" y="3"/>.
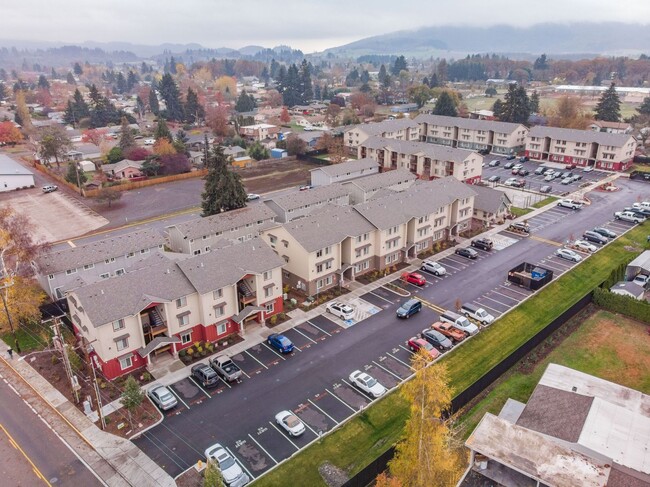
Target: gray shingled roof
<point x="468" y="123"/>
<point x="574" y="135"/>
<point x="227" y="265"/>
<point x="434" y="151"/>
<point x="489" y="199"/>
<point x="420" y="200"/>
<point x="320" y="194"/>
<point x="348" y="167"/>
<point x="383" y="180"/>
<point x="327" y="226"/>
<point x="225" y="221"/>
<point x="123" y="164"/>
<point x="75" y="257"/>
<point x="379" y="128"/>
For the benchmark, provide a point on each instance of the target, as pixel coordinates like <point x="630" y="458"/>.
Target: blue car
<point x="281" y="343"/>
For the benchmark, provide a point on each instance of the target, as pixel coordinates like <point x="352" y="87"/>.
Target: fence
<point x="369" y="474"/>
<point x="311" y="157"/>
<point x="126" y="186"/>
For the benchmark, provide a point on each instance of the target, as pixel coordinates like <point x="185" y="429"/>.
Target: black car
<point x="511" y="157"/>
<point x="494" y="179"/>
<point x="467" y="252"/>
<point x="540" y="170"/>
<point x="205" y="375"/>
<point x="605" y="232"/>
<point x="545" y="189"/>
<point x="523" y="159"/>
<point x="509" y="165"/>
<point x="482" y="243"/>
<point x="437" y="339"/>
<point x="484" y="152"/>
<point x="494" y="163"/>
<point x="523" y="172"/>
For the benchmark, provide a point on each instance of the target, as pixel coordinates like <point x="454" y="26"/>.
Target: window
<point x="130" y="254"/>
<point x="206" y="250"/>
<point x="119" y="272"/>
<point x="272" y="239"/>
<point x="197" y="252"/>
<point x="184" y="320"/>
<point x="221" y="329"/>
<point x="118" y="325"/>
<point x="122" y="344"/>
<point x="204" y="237"/>
<point x="88" y="266"/>
<point x="181" y="302"/>
<point x="220" y="310"/>
<point x="269" y="307"/>
<point x="319" y="253"/>
<point x="71" y="271"/>
<point x="50" y="277"/>
<point x="217" y="294"/>
<point x="268" y="292"/>
<point x="105" y="275"/>
<point x="324" y="282"/>
<point x="109" y="261"/>
<point x="126" y="362"/>
<point x="319" y="268"/>
<point x="144" y="251"/>
<point x="328" y="264"/>
<point x="186" y="337"/>
<point x="268" y="275"/>
<point x="58" y="293"/>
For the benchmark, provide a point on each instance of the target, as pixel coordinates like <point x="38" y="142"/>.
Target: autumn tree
<point x="212" y="475"/>
<point x="284" y="116"/>
<point x="295" y="145"/>
<point x="608" y="108"/>
<point x="54" y="144"/>
<point x="163" y="147"/>
<point x="22" y="116"/>
<point x="568" y="113"/>
<point x="217" y="120"/>
<point x="223" y="189"/>
<point x="334" y="146"/>
<point x="9" y="133"/>
<point x="93" y="136"/>
<point x="427" y="455"/>
<point x="108" y="195"/>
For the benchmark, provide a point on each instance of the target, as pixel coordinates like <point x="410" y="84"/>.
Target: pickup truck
<point x="629" y="216"/>
<point x="449" y="331"/>
<point x="226" y="368"/>
<point x="476" y="313"/>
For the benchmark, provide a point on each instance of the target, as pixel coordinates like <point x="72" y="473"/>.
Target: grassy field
<point x="544" y="202"/>
<point x="519" y="211"/>
<point x="590" y="349"/>
<point x="370" y="434"/>
<point x="31" y="337"/>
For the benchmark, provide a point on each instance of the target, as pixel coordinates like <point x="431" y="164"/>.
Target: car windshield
<point x="370" y="381"/>
<point x="284" y="341"/>
<point x="346" y="309"/>
<point x="225" y="461"/>
<point x="165" y="396"/>
<point x="481" y="313"/>
<point x="292" y="421"/>
<point x="427" y="346"/>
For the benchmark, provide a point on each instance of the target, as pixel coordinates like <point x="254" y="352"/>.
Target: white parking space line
<point x="447" y="265"/>
<point x="264" y="343"/>
<point x="252" y="477"/>
<point x="381" y="297"/>
<point x="341" y="400"/>
<point x="559" y="268"/>
<point x="356" y="389"/>
<point x="246" y="352"/>
<point x="505" y="296"/>
<point x="312" y="403"/>
<point x="285" y="436"/>
<point x="242" y="371"/>
<point x="463" y="263"/>
<point x="197" y="385"/>
<point x="319" y="328"/>
<point x="178" y="397"/>
<point x="296" y="348"/>
<point x="517" y="291"/>
<point x="262" y="448"/>
<point x="483" y="305"/>
<point x="310" y="428"/>
<point x="429" y="273"/>
<point x="296" y="329"/>
<point x="498" y="302"/>
<point x="225" y="382"/>
<point x="407" y="349"/>
<point x="400" y="361"/>
<point x="385" y="369"/>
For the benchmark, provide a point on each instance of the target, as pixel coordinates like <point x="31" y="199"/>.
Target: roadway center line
<point x="240" y="462"/>
<point x="341" y="400"/>
<point x="319" y="328"/>
<point x="246" y="351"/>
<point x="401" y="362"/>
<point x="381" y="297"/>
<point x="264" y="343"/>
<point x="391" y="373"/>
<point x="262" y="448"/>
<point x="197" y="385"/>
<point x="15" y="444"/>
<point x="312" y="403"/>
<point x="285" y="436"/>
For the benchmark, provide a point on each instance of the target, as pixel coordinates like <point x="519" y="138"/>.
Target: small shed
<point x="279" y="153"/>
<point x="627" y="288"/>
<point x="87" y="166"/>
<point x="640" y="265"/>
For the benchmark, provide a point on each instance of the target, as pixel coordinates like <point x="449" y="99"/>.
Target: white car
<point x="588" y="169"/>
<point x="569" y="203"/>
<point x="568" y="255"/>
<point x="367" y="383"/>
<point x="433" y="267"/>
<point x="252" y="196"/>
<point x="643" y="204"/>
<point x="629" y="216"/>
<point x="641" y="280"/>
<point x="511" y="182"/>
<point x="149" y="141"/>
<point x="232" y="473"/>
<point x="50" y="188"/>
<point x="162" y="397"/>
<point x="342" y="310"/>
<point x="290" y="423"/>
<point x="584" y="246"/>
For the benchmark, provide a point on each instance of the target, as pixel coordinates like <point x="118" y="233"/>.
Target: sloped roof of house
<point x="469" y="123"/>
<point x="223" y="222"/>
<point x="420" y="200"/>
<point x="321" y="194"/>
<point x="574" y="135"/>
<point x="379" y="128"/>
<point x="348" y="167"/>
<point x="434" y="151"/>
<point x="611" y="125"/>
<point x="235" y="149"/>
<point x="384" y="180"/>
<point x="120" y="166"/>
<point x="489" y="199"/>
<point x="628" y="287"/>
<point x="59" y="260"/>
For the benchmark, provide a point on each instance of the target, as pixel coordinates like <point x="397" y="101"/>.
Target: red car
<point x="416" y="344"/>
<point x="414" y="278"/>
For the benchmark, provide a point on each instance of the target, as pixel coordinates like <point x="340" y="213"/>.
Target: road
<point x="43" y="458"/>
<point x="313" y="381"/>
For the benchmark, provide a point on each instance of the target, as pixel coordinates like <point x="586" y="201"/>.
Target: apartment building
<point x="129" y="320"/>
<point x="602" y="150"/>
<point x="473" y="134"/>
<point x="294" y="205"/>
<point x="427" y="161"/>
<point x="61" y="270"/>
<point x="259" y="132"/>
<point x="363" y="189"/>
<point x="344" y="171"/>
<point x="398" y="129"/>
<point x="203" y="234"/>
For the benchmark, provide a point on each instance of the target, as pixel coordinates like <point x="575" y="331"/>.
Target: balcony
<point x="245" y="294"/>
<point x="153" y="324"/>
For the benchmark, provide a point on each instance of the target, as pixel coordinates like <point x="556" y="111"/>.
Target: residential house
<point x="365" y="188"/>
<point x="234" y="151"/>
<point x="640" y="265"/>
<point x="338" y="173"/>
<point x="490" y="205"/>
<point x="13" y="175"/>
<point x="259" y="132"/>
<point x="201" y="235"/>
<point x="628" y="288"/>
<point x="127" y="321"/>
<point x="428" y="161"/>
<point x="602" y="150"/>
<point x="311" y="138"/>
<point x="473" y="134"/>
<point x="61" y="269"/>
<point x="575" y="430"/>
<point x="125" y="169"/>
<point x="399" y="129"/>
<point x="294" y="205"/>
<point x="611" y="127"/>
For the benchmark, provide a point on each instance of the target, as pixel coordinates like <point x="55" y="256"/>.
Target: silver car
<point x="162" y="397"/>
<point x="433" y="267"/>
<point x="568" y="255"/>
<point x="367" y="383"/>
<point x="231" y="471"/>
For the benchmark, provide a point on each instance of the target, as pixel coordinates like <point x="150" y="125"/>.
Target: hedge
<point x="625" y="305"/>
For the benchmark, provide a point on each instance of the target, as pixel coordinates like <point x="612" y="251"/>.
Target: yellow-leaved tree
<point x="427" y="454"/>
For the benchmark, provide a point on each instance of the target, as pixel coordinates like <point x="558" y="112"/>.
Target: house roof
<point x="420" y="200"/>
<point x="60" y="260"/>
<point x="380" y="128"/>
<point x="120" y="166"/>
<point x="10" y="167"/>
<point x="321" y="194"/>
<point x="612" y="125"/>
<point x="383" y="180"/>
<point x="327" y="226"/>
<point x="469" y="123"/>
<point x="489" y="199"/>
<point x="228" y="220"/>
<point x="309" y="136"/>
<point x="235" y="149"/>
<point x="348" y="167"/>
<point x="642" y="261"/>
<point x="434" y="151"/>
<point x="574" y="135"/>
<point x="630" y="287"/>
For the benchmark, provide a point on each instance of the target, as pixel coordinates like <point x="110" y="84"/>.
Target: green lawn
<point x="519" y="211"/>
<point x="365" y="437"/>
<point x="30" y="337"/>
<point x="544" y="202"/>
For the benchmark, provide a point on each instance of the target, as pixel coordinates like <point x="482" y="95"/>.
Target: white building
<point x="13" y="175"/>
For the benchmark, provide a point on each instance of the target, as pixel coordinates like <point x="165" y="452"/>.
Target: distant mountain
<point x="609" y="38"/>
<point x="251" y="50"/>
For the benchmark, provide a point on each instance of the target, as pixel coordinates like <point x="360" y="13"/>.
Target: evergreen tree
<point x="258" y="152"/>
<point x="497" y="108"/>
<point x="71" y="175"/>
<point x="326" y="94"/>
<point x="265" y="76"/>
<point x="154" y="106"/>
<point x="382" y="74"/>
<point x="121" y="83"/>
<point x="172" y="65"/>
<point x="180" y="142"/>
<point x="53" y="74"/>
<point x="608" y="108"/>
<point x="365" y="77"/>
<point x="139" y="106"/>
<point x="352" y="79"/>
<point x="223" y="188"/>
<point x="169" y="92"/>
<point x="644" y="109"/>
<point x="516" y="105"/>
<point x="77" y="69"/>
<point x="491" y="91"/>
<point x="3" y="91"/>
<point x="306" y="89"/>
<point x="194" y="111"/>
<point x="70" y="79"/>
<point x="534" y="101"/>
<point x="127" y="139"/>
<point x="540" y="62"/>
<point x="43" y="83"/>
<point x="144" y="69"/>
<point x="290" y="87"/>
<point x="245" y="103"/>
<point x="445" y="105"/>
<point x="317" y="92"/>
<point x="275" y="67"/>
<point x="3" y="74"/>
<point x="76" y="110"/>
<point x="162" y="131"/>
<point x="131" y="80"/>
<point x="399" y="66"/>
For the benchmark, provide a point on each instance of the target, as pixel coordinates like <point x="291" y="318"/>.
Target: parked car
<point x="567" y="180"/>
<point x="641" y="279"/>
<point x="437" y="339"/>
<point x="341" y="310"/>
<point x="466" y="252"/>
<point x="519" y="227"/>
<point x="511" y="157"/>
<point x="482" y="243"/>
<point x="226" y="368"/>
<point x="569" y="203"/>
<point x="567" y="174"/>
<point x="460" y="322"/>
<point x="524" y="159"/>
<point x="549" y="172"/>
<point x="252" y="197"/>
<point x="587" y="168"/>
<point x="433" y="267"/>
<point x="449" y="331"/>
<point x="629" y="216"/>
<point x="205" y="375"/>
<point x="415" y="344"/>
<point x="549" y="177"/>
<point x="605" y="232"/>
<point x="571" y="166"/>
<point x="231" y="471"/>
<point x="149" y="141"/>
<point x="508" y="165"/>
<point x="577" y="177"/>
<point x="367" y="383"/>
<point x="639" y="210"/>
<point x="484" y="152"/>
<point x="494" y="179"/>
<point x="584" y="246"/>
<point x="50" y="188"/>
<point x="306" y="187"/>
<point x="290" y="423"/>
<point x="414" y="278"/>
<point x="409" y="308"/>
<point x="494" y="163"/>
<point x="568" y="254"/>
<point x="162" y="397"/>
<point x="511" y="182"/>
<point x="643" y="204"/>
<point x="281" y="343"/>
<point x="516" y="168"/>
<point x="545" y="189"/>
<point x="523" y="172"/>
<point x="595" y="237"/>
<point x="540" y="170"/>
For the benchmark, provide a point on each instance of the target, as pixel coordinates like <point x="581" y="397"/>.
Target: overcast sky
<point x="310" y="25"/>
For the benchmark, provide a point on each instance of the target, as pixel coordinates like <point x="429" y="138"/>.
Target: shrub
<point x="273" y="320"/>
<point x="625" y="305"/>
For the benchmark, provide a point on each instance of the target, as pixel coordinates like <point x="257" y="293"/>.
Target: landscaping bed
<point x="200" y="350"/>
<point x="372" y="276"/>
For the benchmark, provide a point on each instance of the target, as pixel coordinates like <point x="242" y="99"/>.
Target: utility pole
<point x="3" y="290"/>
<point x="76" y="166"/>
<point x="99" y="399"/>
<point x="59" y="343"/>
